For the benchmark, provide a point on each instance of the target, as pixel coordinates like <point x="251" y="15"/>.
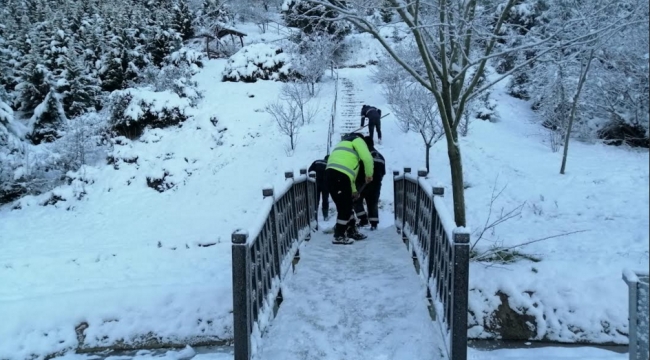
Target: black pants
<point x="340" y="189"/>
<point x="371" y="197"/>
<point x="372" y="124"/>
<point x="323" y="196"/>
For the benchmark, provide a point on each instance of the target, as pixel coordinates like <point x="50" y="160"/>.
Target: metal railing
<point x="330" y="130"/>
<point x="262" y="256"/>
<point x="440" y="253"/>
<point x="637" y="283"/>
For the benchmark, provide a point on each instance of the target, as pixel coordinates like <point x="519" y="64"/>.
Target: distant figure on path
<point x="374" y="120"/>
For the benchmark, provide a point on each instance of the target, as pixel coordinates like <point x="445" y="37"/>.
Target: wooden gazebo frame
<point x="220" y="32"/>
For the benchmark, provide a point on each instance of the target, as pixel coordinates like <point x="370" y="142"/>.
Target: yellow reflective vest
<point x="346" y="156"/>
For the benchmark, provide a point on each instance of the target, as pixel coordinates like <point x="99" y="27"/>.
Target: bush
<point x="258" y="62"/>
<point x="618" y="132"/>
<point x="133" y="110"/>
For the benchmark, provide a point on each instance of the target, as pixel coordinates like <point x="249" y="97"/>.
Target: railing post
<point x="460" y="295"/>
<point x="288" y="175"/>
<point x="314" y="199"/>
<point x="242" y="322"/>
<point x="638" y="314"/>
<point x="395" y="174"/>
<point x="407" y="170"/>
<point x="308" y="203"/>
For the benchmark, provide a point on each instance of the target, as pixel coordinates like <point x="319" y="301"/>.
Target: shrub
<point x="133" y="110"/>
<point x="258" y="62"/>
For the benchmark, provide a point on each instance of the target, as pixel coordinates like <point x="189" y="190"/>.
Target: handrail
<point x="330" y="131"/>
<point x="263" y="255"/>
<point x="441" y="252"/>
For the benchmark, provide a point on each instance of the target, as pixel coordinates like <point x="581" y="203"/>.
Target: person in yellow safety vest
<point x="340" y="174"/>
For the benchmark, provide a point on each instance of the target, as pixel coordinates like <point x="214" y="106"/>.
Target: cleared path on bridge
<point x="353" y="302"/>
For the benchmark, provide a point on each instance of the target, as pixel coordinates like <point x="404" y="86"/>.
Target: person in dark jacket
<point x="372" y="190"/>
<point x="374" y="120"/>
<point x="322" y="195"/>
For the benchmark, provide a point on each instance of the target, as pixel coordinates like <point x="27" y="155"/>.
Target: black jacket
<point x="372" y="113"/>
<point x="378" y="173"/>
<point x="319" y="167"/>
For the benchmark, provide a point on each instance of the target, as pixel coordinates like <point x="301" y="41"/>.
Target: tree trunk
<point x="427" y="147"/>
<point x="457" y="183"/>
<point x="574" y="106"/>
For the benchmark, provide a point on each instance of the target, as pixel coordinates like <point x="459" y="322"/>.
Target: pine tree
<point x="164" y="41"/>
<point x="6" y="115"/>
<point x="7" y="54"/>
<point x="80" y="88"/>
<point x="34" y="85"/>
<point x="183" y="20"/>
<point x="47" y="120"/>
<point x="113" y="77"/>
<point x="51" y="41"/>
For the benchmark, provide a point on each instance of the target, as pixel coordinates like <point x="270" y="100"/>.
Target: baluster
<point x="288" y="175"/>
<point x="407" y="170"/>
<point x="395" y="174"/>
<point x="314" y="200"/>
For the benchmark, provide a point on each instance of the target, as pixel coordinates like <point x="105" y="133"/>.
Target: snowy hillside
<point x="128" y="260"/>
<point x="139" y="247"/>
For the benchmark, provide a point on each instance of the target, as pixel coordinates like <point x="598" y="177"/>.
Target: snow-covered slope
<point x="576" y="291"/>
<point x="128" y="260"/>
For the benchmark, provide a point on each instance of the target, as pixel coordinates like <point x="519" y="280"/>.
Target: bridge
<point x="400" y="294"/>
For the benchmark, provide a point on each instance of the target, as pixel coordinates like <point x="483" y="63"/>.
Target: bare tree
<point x="315" y="54"/>
<point x="455" y="41"/>
<point x="574" y="106"/>
<point x="256" y="11"/>
<point x="416" y="111"/>
<point x="287" y="116"/>
<point x="80" y="143"/>
<point x="297" y="95"/>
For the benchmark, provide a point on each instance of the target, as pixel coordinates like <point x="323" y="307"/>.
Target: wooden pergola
<point x="220" y="31"/>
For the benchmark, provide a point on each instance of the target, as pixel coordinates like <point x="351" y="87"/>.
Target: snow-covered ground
<point x="546" y="353"/>
<point x="576" y="292"/>
<point x="127" y="260"/>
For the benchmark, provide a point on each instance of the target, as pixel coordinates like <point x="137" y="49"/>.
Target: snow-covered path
<point x="358" y="302"/>
<point x="348" y="116"/>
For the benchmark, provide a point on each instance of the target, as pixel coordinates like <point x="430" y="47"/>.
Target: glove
<point x="368" y="179"/>
<point x="355" y="195"/>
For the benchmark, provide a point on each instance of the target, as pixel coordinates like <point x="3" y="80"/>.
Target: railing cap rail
<point x="239" y="236"/>
<point x="632" y="276"/>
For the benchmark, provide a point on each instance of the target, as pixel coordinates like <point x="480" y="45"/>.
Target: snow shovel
<point x="365" y="126"/>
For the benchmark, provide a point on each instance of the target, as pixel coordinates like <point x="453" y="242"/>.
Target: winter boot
<point x="363" y="222"/>
<point x="373" y="227"/>
<point x="342" y="240"/>
<point x="354" y="233"/>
